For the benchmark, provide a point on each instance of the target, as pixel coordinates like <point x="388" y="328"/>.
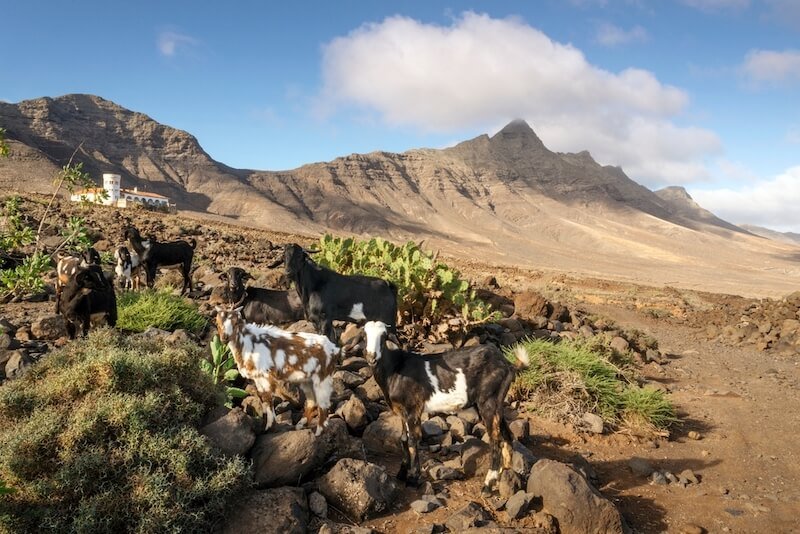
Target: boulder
<point x="17" y="363"/>
<point x="518" y="505"/>
<point x="355" y="414"/>
<point x="566" y="495"/>
<point x="475" y="457"/>
<point x="530" y="304"/>
<point x="283" y="510"/>
<point x="383" y="434"/>
<point x="49" y="327"/>
<point x="370" y="391"/>
<point x="232" y="433"/>
<point x="358" y="488"/>
<point x="283" y="458"/>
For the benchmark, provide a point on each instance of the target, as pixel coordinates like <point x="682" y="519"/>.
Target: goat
<point x="329" y="296"/>
<point x="446" y="382"/>
<point x="128" y="268"/>
<point x="260" y="306"/>
<point x="157" y="255"/>
<point x="68" y="266"/>
<point x="87" y="293"/>
<point x="269" y="356"/>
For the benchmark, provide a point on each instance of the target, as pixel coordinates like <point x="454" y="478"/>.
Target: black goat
<point x="68" y="266"/>
<point x="153" y="255"/>
<point x="88" y="292"/>
<point x="327" y="295"/>
<point x="446" y="382"/>
<point x="260" y="306"/>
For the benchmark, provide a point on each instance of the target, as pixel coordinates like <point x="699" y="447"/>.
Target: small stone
<point x="318" y="504"/>
<point x="705" y="452"/>
<point x="640" y="466"/>
<point x="658" y="479"/>
<point x="459" y="428"/>
<point x="593" y="423"/>
<point x="423" y="507"/>
<point x="433" y="427"/>
<point x="445" y="472"/>
<point x="520" y="429"/>
<point x="693" y="434"/>
<point x="470" y="415"/>
<point x="518" y="505"/>
<point x="671" y="478"/>
<point x="688" y="474"/>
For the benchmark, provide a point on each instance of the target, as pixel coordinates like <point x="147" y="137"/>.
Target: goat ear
<point x="223" y="277"/>
<point x="391" y="339"/>
<point x="238" y="310"/>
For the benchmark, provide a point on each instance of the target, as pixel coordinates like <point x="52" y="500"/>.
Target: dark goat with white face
<point x="260" y="305"/>
<point x="443" y="383"/>
<point x="329" y="296"/>
<point x="173" y="253"/>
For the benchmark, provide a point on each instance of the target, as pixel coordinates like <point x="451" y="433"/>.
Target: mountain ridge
<point x="504" y="195"/>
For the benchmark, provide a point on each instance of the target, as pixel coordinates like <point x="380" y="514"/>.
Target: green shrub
<point x="26" y="279"/>
<point x="425" y="286"/>
<point x="140" y="310"/>
<point x="101" y="436"/>
<point x="222" y="370"/>
<point x="570" y="378"/>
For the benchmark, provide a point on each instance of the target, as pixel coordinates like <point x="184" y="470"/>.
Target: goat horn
<point x="312" y="251"/>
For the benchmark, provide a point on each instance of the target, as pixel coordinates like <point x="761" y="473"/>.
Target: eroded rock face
<point x="283" y="510"/>
<point x="578" y="507"/>
<point x="49" y="327"/>
<point x="358" y="488"/>
<point x="286" y="457"/>
<point x="232" y="433"/>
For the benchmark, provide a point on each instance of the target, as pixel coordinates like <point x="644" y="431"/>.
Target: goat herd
<point x="412" y="383"/>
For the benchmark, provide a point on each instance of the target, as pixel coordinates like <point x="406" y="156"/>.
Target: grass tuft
<point x="567" y="379"/>
<point x="161" y="309"/>
<point x="102" y="436"/>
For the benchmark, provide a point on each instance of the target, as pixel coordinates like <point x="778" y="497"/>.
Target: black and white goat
<point x="67" y="267"/>
<point x="173" y="253"/>
<point x="443" y="383"/>
<point x="128" y="267"/>
<point x="87" y="293"/>
<point x="270" y="357"/>
<point x="260" y="305"/>
<point x="327" y="295"/>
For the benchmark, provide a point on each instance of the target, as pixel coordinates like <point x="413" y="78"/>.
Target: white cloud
<point x="771" y="203"/>
<point x="611" y="35"/>
<point x="480" y="72"/>
<point x="769" y="66"/>
<point x="716" y="5"/>
<point x="170" y="42"/>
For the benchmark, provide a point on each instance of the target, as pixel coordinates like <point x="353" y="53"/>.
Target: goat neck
<point x="384" y="357"/>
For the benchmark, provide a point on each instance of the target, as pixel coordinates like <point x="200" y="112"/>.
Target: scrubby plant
<point x="101" y="436"/>
<point x="570" y="378"/>
<point x="26" y="278"/>
<point x="222" y="370"/>
<point x="76" y="235"/>
<point x="426" y="287"/>
<point x="15" y="233"/>
<point x="137" y="311"/>
<point x="3" y="143"/>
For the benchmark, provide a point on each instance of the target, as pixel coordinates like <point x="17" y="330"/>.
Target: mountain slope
<point x="504" y="198"/>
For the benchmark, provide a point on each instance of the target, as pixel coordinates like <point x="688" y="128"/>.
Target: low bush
<point x="426" y="287"/>
<point x="567" y="379"/>
<point x="101" y="436"/>
<point x="137" y="311"/>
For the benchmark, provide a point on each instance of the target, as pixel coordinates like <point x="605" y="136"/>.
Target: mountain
<point x="791" y="238"/>
<point x="504" y="198"/>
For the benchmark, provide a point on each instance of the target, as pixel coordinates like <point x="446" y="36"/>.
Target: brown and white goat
<point x="269" y="356"/>
<point x="443" y="383"/>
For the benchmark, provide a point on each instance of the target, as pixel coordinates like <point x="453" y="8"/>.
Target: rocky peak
<point x="517" y="135"/>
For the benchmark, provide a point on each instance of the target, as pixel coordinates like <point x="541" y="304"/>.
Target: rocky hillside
<point x="504" y="198"/>
<point x="791" y="238"/>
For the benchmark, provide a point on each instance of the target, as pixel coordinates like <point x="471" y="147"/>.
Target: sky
<point x="704" y="94"/>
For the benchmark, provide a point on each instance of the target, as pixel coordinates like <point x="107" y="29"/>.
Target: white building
<point x="116" y="196"/>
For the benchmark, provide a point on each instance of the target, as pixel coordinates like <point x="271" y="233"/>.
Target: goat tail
<point x="192" y="243"/>
<point x="521" y="353"/>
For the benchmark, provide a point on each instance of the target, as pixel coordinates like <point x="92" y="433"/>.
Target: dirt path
<point x="746" y="406"/>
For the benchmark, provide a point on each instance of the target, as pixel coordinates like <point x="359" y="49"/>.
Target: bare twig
<point x="53" y="198"/>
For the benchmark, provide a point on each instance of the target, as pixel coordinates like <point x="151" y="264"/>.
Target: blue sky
<point x="699" y="93"/>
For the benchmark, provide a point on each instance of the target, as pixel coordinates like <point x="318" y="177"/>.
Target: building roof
<point x="142" y="194"/>
<point x="92" y="190"/>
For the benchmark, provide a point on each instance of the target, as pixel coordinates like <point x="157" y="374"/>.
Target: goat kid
<point x="68" y="266"/>
<point x="128" y="268"/>
<point x="270" y="356"/>
<point x="443" y="383"/>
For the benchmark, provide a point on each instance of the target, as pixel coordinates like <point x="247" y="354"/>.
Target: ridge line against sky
<point x="699" y="93"/>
